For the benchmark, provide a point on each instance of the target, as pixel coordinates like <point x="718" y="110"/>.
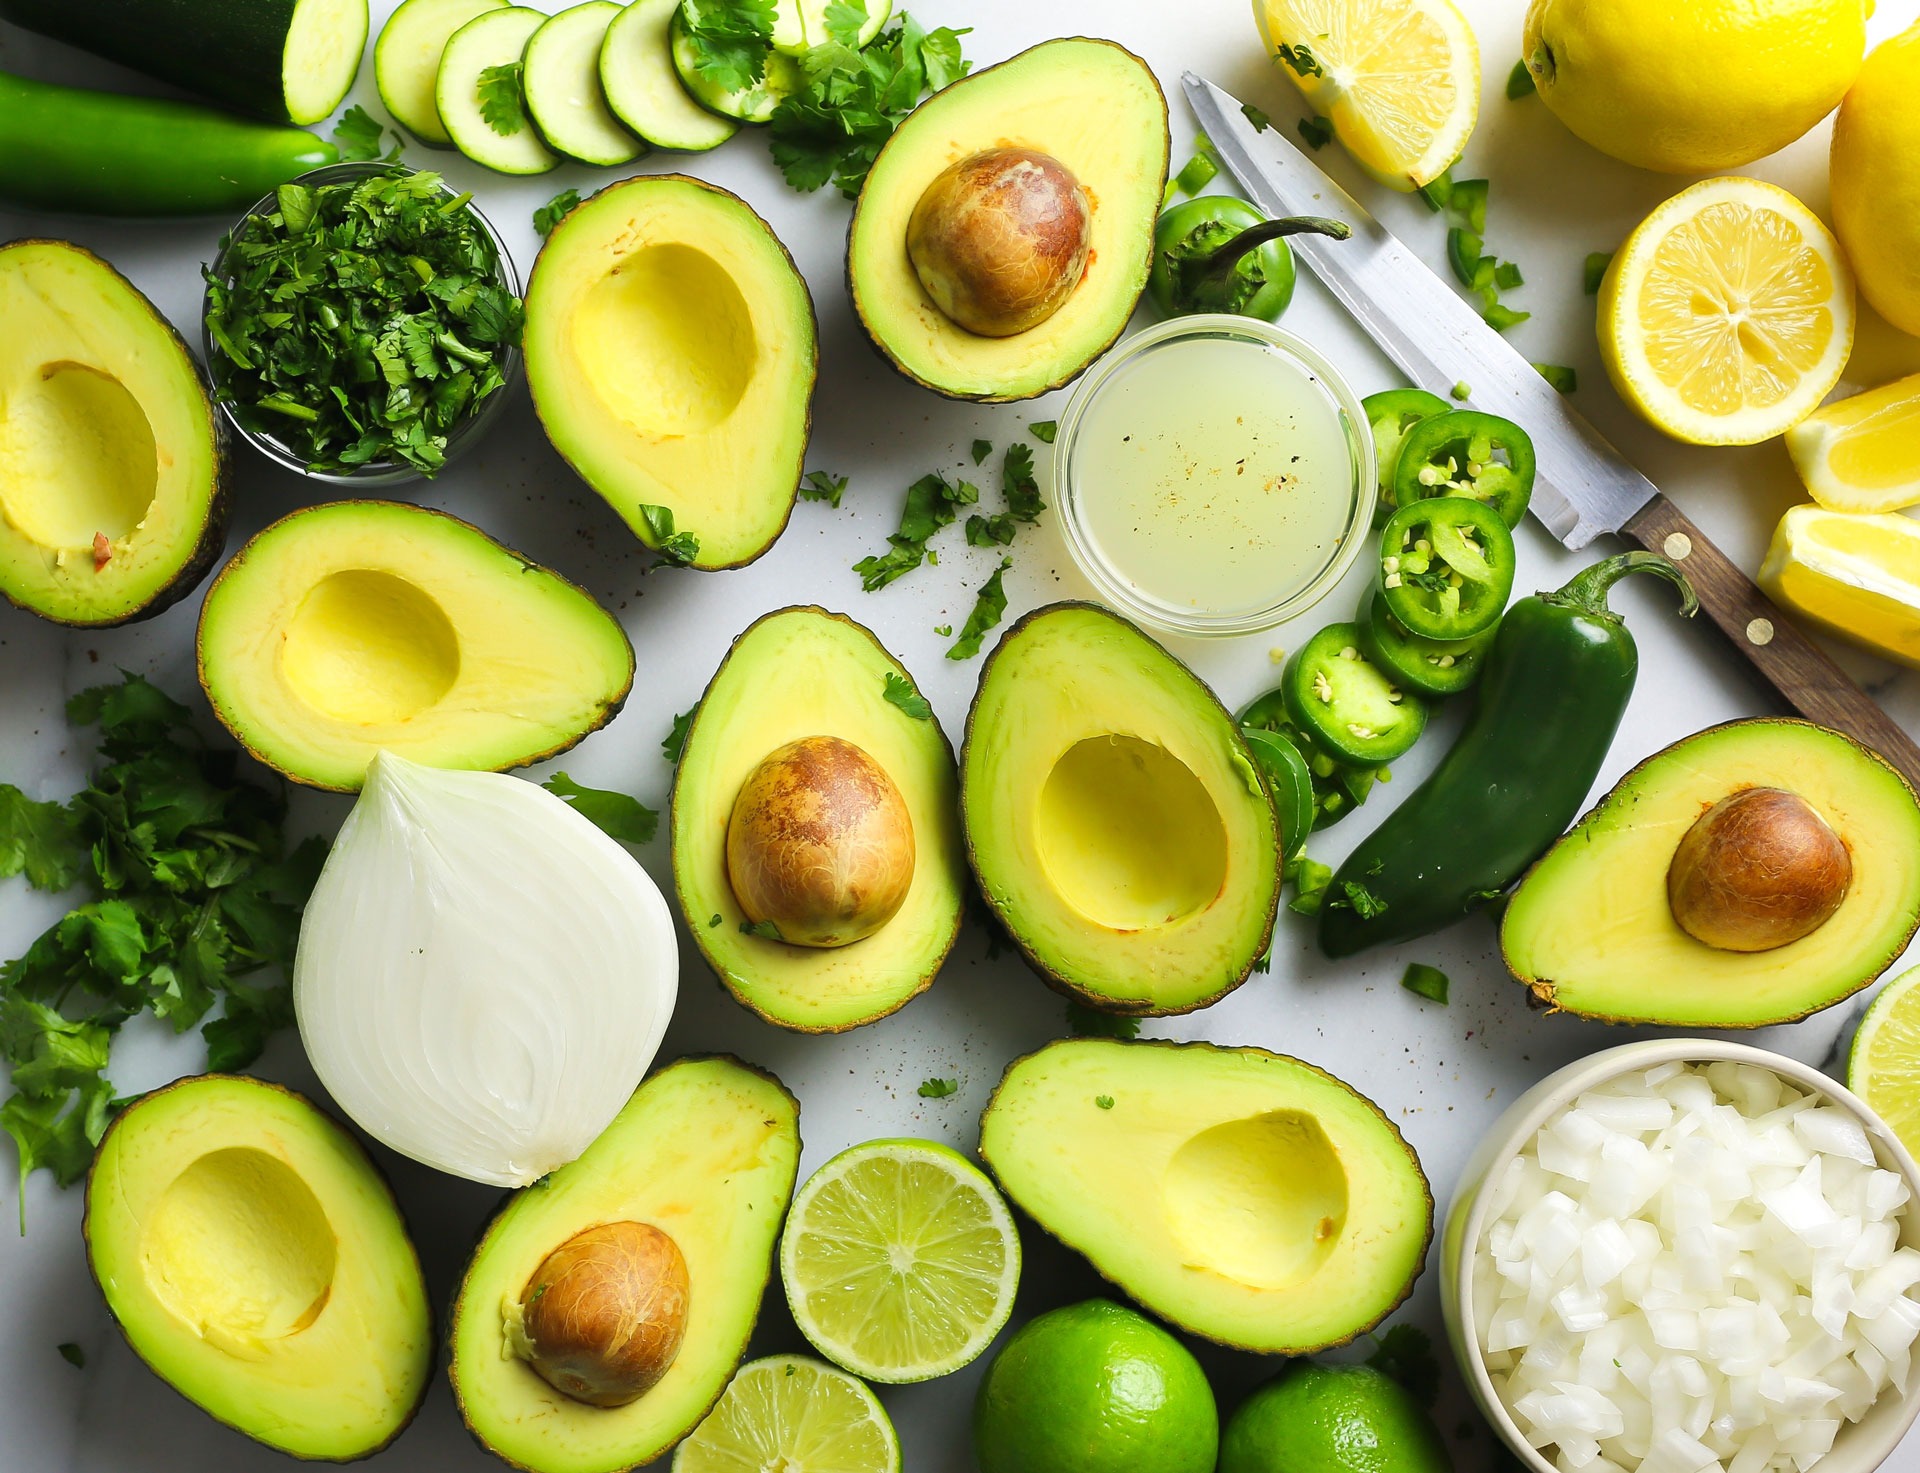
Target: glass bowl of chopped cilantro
<point x="362" y="324"/>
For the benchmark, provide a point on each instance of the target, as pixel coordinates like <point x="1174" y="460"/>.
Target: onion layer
<point x="483" y="976"/>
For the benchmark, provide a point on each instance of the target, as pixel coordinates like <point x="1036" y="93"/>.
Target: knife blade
<point x="1584" y="486"/>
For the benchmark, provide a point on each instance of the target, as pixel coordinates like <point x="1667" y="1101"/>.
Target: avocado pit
<point x="1000" y="239"/>
<point x="1759" y="869"/>
<point x="602" y="1318"/>
<point x="820" y="844"/>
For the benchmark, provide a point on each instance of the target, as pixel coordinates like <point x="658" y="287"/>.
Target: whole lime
<point x="1095" y="1388"/>
<point x="1314" y="1418"/>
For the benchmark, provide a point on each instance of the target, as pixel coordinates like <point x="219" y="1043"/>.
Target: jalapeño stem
<point x="1198" y="272"/>
<point x="1587" y="590"/>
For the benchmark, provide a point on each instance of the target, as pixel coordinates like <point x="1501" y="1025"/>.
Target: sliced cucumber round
<point x="643" y="89"/>
<point x="325" y="39"/>
<point x="753" y="104"/>
<point x="496" y="39"/>
<point x="563" y="87"/>
<point x="406" y="61"/>
<point x="800" y="24"/>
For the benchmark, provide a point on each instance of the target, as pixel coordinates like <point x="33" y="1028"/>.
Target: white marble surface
<point x="1442" y="1074"/>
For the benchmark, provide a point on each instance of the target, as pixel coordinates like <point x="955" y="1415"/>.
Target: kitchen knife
<point x="1584" y="486"/>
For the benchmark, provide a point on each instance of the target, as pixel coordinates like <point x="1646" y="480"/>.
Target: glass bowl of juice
<point x="1214" y="475"/>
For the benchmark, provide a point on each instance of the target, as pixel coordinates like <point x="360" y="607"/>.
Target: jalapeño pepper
<point x="1345" y="704"/>
<point x="1466" y="453"/>
<point x="1336" y="789"/>
<point x="1390" y="414"/>
<point x="1219" y="254"/>
<point x="1556" y="685"/>
<point x="1446" y="567"/>
<point x="1429" y="667"/>
<point x="1289" y="785"/>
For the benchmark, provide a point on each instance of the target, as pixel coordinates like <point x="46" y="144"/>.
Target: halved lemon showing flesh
<point x="1398" y="79"/>
<point x="1728" y="314"/>
<point x="1862" y="454"/>
<point x="1859" y="576"/>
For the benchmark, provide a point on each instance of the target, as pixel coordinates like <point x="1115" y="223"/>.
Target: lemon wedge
<point x="1862" y="454"/>
<point x="1859" y="576"/>
<point x="1728" y="314"/>
<point x="1398" y="79"/>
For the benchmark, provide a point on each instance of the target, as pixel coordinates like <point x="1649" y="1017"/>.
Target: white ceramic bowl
<point x="1861" y="1446"/>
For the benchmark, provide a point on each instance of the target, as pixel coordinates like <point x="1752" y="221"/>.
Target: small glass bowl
<point x="1071" y="494"/>
<point x="464" y="434"/>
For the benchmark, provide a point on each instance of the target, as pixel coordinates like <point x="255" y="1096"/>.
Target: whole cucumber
<point x="98" y="153"/>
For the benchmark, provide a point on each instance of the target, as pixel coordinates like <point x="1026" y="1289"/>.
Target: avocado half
<point x="804" y="672"/>
<point x="359" y="626"/>
<point x="1092" y="105"/>
<point x="113" y="492"/>
<point x="1245" y="1196"/>
<point x="1114" y="817"/>
<point x="670" y="349"/>
<point x="705" y="1152"/>
<point x="1590" y="930"/>
<point x="255" y="1259"/>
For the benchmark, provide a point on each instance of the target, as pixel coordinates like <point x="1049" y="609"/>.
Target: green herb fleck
<point x="937" y="1089"/>
<point x="1425" y="981"/>
<point x="988" y="607"/>
<point x="899" y="692"/>
<point x="358" y="135"/>
<point x="1519" y="82"/>
<point x="675" y="741"/>
<point x="1559" y="375"/>
<point x="713" y="920"/>
<point x="1405" y="1353"/>
<point x="1595" y="271"/>
<point x="1316" y="132"/>
<point x="823" y="486"/>
<point x="765" y="930"/>
<point x="1261" y="122"/>
<point x="1019" y="485"/>
<point x="1086" y="1022"/>
<point x="943" y="630"/>
<point x="1363" y="902"/>
<point x="617" y="815"/>
<point x="981" y="450"/>
<point x="73" y="1355"/>
<point x="678" y="548"/>
<point x="554" y="211"/>
<point x="1044" y="429"/>
<point x="932" y="503"/>
<point x="1302" y="61"/>
<point x="994" y="531"/>
<point x="502" y="107"/>
<point x="1103" y="1102"/>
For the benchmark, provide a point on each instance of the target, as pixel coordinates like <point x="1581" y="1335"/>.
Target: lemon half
<point x="1728" y="314"/>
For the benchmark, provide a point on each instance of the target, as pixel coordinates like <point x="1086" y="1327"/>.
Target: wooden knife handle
<point x="1793" y="665"/>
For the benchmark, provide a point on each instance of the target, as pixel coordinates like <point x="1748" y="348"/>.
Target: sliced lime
<point x="900" y="1260"/>
<point x="790" y="1414"/>
<point x="1883" y="1067"/>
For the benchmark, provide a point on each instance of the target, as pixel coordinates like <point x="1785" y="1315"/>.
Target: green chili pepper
<point x="1390" y="414"/>
<point x="1446" y="567"/>
<point x="1337" y="789"/>
<point x="1289" y="785"/>
<point x="1556" y="685"/>
<point x="1345" y="703"/>
<point x="1428" y="667"/>
<point x="1219" y="254"/>
<point x="1466" y="453"/>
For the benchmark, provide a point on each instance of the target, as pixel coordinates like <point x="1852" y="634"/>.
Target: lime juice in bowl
<point x="1215" y="475"/>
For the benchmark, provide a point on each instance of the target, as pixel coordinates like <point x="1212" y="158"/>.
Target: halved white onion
<point x="483" y="976"/>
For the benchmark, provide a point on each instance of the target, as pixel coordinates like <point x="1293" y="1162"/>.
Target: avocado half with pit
<point x="608" y="1304"/>
<point x="671" y="352"/>
<point x="113" y="497"/>
<point x="1114" y="817"/>
<point x="823" y="885"/>
<point x="1750" y="874"/>
<point x="1242" y="1195"/>
<point x="1081" y="128"/>
<point x="255" y="1259"/>
<point x="361" y="626"/>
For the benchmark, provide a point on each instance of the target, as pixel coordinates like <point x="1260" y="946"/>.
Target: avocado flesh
<point x="106" y="428"/>
<point x="255" y="1259"/>
<point x="1114" y="818"/>
<point x="670" y="350"/>
<point x="706" y="1152"/>
<point x="1590" y="930"/>
<point x="1242" y="1195"/>
<point x="797" y="673"/>
<point x="361" y="626"/>
<point x="1097" y="109"/>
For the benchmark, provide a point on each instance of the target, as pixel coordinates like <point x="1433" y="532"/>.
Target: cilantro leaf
<point x="358" y="135"/>
<point x="1302" y="61"/>
<point x="993" y="531"/>
<point x="502" y="108"/>
<point x="1085" y="1022"/>
<point x="932" y="503"/>
<point x="618" y="815"/>
<point x="40" y="840"/>
<point x="824" y="486"/>
<point x="1316" y="132"/>
<point x="1261" y="122"/>
<point x="843" y="19"/>
<point x="1018" y="484"/>
<point x="937" y="1089"/>
<point x="1405" y="1352"/>
<point x="554" y="211"/>
<point x="1103" y="1102"/>
<point x="981" y="450"/>
<point x="730" y="40"/>
<point x="675" y="741"/>
<point x="1043" y="429"/>
<point x="674" y="547"/>
<point x="988" y="607"/>
<point x="765" y="930"/>
<point x="899" y="692"/>
<point x="1425" y="981"/>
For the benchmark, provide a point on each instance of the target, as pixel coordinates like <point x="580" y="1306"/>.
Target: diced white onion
<point x="483" y="976"/>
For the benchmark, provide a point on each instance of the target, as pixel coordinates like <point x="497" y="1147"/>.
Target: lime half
<point x="790" y="1414"/>
<point x="1884" y="1065"/>
<point x="900" y="1260"/>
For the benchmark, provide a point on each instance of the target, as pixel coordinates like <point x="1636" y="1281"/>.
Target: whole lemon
<point x="1693" y="86"/>
<point x="1876" y="179"/>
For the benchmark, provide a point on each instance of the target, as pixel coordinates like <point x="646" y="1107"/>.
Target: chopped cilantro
<point x="73" y="1355"/>
<point x="988" y="607"/>
<point x="1302" y="61"/>
<point x="554" y="211"/>
<point x="1363" y="902"/>
<point x="713" y="920"/>
<point x="1261" y="122"/>
<point x="1316" y="132"/>
<point x="618" y="815"/>
<point x="844" y="20"/>
<point x="675" y="741"/>
<point x="943" y="630"/>
<point x="674" y="547"/>
<point x="1086" y="1022"/>
<point x="1018" y="485"/>
<point x="937" y="1089"/>
<point x="1405" y="1352"/>
<point x="1519" y="82"/>
<point x="1425" y="981"/>
<point x="1559" y="375"/>
<point x="1103" y="1102"/>
<point x="502" y="107"/>
<point x="1044" y="429"/>
<point x="1595" y="271"/>
<point x="981" y="450"/>
<point x="994" y="531"/>
<point x="823" y="486"/>
<point x="932" y="503"/>
<point x="899" y="692"/>
<point x="765" y="930"/>
<point x="358" y="135"/>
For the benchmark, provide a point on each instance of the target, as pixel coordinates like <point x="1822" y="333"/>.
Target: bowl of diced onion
<point x="1688" y="1256"/>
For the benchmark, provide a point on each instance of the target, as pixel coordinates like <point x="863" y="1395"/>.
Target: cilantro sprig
<point x="189" y="890"/>
<point x="359" y="323"/>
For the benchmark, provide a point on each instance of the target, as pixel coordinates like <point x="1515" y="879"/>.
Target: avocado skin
<point x="213" y="532"/>
<point x="86" y="1238"/>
